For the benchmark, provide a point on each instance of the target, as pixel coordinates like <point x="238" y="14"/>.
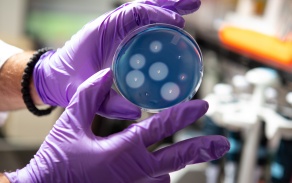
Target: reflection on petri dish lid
<point x="158" y="66"/>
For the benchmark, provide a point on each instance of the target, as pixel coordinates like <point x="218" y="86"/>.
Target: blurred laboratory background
<point x="247" y="56"/>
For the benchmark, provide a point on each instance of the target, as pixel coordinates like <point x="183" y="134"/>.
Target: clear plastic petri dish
<point x="158" y="66"/>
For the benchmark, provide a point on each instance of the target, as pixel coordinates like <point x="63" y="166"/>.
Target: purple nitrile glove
<point x="58" y="73"/>
<point x="72" y="153"/>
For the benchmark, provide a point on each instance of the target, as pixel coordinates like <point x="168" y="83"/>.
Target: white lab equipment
<point x="244" y="114"/>
<point x="277" y="126"/>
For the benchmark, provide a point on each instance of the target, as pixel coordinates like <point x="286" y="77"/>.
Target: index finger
<point x="169" y="121"/>
<point x="182" y="7"/>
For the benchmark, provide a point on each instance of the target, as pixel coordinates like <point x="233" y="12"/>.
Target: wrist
<point x="10" y="82"/>
<point x="28" y="89"/>
<point x="3" y="178"/>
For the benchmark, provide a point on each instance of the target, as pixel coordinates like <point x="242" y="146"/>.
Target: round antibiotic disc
<point x="158" y="66"/>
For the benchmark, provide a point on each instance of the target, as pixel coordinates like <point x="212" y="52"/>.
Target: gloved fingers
<point x="145" y="14"/>
<point x="135" y="14"/>
<point x="89" y="97"/>
<point x="168" y="121"/>
<point x="124" y="20"/>
<point x="112" y="28"/>
<point x="191" y="151"/>
<point x="182" y="7"/>
<point x="117" y="107"/>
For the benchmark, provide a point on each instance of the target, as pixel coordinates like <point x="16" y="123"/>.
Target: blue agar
<point x="158" y="66"/>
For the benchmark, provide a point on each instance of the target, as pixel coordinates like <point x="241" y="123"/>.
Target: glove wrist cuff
<point x="20" y="175"/>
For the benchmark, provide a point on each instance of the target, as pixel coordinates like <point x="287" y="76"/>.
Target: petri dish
<point x="157" y="66"/>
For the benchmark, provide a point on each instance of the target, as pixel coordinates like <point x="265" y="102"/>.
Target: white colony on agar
<point x="158" y="71"/>
<point x="137" y="61"/>
<point x="135" y="79"/>
<point x="155" y="46"/>
<point x="170" y="91"/>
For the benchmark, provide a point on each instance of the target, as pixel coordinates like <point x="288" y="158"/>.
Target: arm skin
<point x="10" y="83"/>
<point x="3" y="179"/>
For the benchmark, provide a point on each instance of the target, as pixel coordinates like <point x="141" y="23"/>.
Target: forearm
<point x="10" y="83"/>
<point x="3" y="178"/>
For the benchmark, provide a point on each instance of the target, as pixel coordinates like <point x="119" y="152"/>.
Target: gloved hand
<point x="72" y="153"/>
<point x="58" y="73"/>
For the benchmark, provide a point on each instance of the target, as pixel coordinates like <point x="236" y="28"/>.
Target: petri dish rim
<point x="150" y="27"/>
